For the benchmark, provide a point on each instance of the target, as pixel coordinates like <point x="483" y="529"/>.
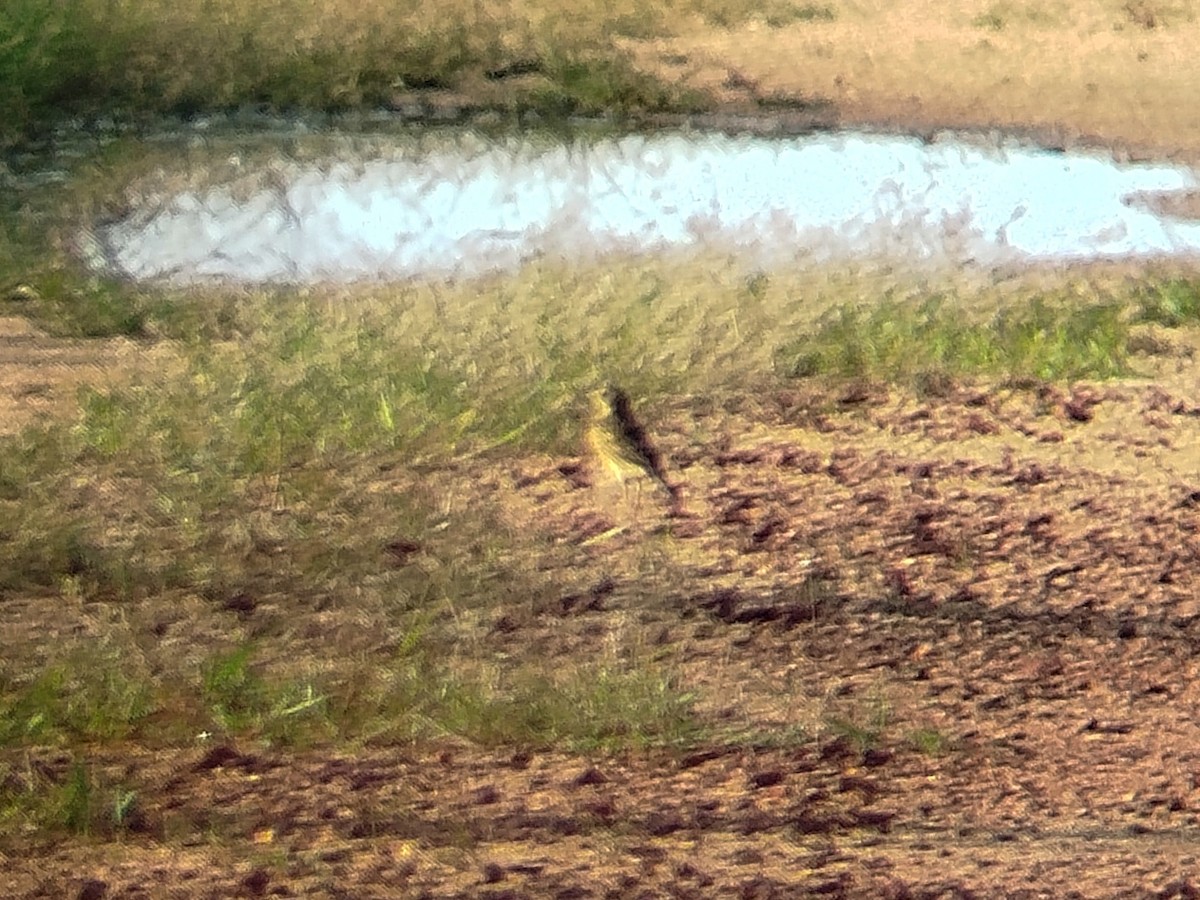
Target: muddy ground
<point x="964" y="625"/>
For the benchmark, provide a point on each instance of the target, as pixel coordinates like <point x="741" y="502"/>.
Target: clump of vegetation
<point x="921" y="342"/>
<point x="75" y="799"/>
<point x="410" y="697"/>
<point x="92" y="694"/>
<point x="930" y="741"/>
<point x="591" y="85"/>
<point x="1173" y="302"/>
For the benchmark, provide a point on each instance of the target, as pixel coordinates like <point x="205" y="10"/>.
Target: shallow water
<point x="472" y="207"/>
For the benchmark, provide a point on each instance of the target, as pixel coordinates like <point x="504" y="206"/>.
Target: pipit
<point x="618" y="442"/>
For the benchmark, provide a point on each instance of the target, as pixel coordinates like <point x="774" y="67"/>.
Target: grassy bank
<point x="136" y="61"/>
<point x="1088" y="70"/>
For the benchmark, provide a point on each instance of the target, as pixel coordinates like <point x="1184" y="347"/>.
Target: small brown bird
<point x="617" y="441"/>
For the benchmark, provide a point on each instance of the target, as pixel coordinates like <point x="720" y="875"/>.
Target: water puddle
<point x="471" y="207"/>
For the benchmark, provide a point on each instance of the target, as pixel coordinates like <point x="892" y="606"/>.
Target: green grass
<point x="592" y="707"/>
<point x="77" y="58"/>
<point x="583" y="84"/>
<point x="1172" y="302"/>
<point x="91" y="695"/>
<point x="78" y="800"/>
<point x="241" y="700"/>
<point x="94" y="307"/>
<point x="47" y="59"/>
<point x="862" y="737"/>
<point x="916" y="343"/>
<point x="930" y="741"/>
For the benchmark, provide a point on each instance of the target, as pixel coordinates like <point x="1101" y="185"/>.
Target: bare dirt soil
<point x="40" y="375"/>
<point x="995" y="592"/>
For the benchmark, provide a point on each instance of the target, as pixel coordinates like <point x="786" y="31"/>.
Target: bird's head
<point x="598" y="404"/>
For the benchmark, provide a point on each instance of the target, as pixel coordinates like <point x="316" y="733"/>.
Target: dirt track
<point x="1012" y="575"/>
